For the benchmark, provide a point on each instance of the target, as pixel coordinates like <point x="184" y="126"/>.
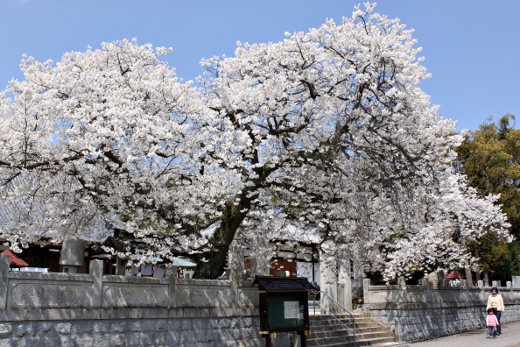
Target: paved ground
<point x="510" y="338"/>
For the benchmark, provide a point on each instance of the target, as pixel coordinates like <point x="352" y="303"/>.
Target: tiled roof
<point x="14" y="260"/>
<point x="283" y="284"/>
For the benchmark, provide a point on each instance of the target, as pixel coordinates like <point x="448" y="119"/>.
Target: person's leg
<point x="499" y="328"/>
<point x="498" y="314"/>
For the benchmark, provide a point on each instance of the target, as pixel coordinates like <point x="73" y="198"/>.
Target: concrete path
<point x="510" y="338"/>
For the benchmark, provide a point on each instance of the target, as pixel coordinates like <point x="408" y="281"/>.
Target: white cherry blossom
<point x="326" y="128"/>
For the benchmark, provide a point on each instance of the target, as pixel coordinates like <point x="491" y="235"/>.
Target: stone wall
<point x="26" y="290"/>
<point x="423" y="312"/>
<point x="129" y="327"/>
<point x="59" y="309"/>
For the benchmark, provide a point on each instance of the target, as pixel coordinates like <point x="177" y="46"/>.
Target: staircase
<point x="327" y="331"/>
<point x="345" y="331"/>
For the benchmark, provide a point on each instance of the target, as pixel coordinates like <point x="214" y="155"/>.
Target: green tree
<point x="490" y="157"/>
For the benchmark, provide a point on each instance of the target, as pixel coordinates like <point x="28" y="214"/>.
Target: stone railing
<point x="424" y="311"/>
<point x="58" y="309"/>
<point x="27" y="290"/>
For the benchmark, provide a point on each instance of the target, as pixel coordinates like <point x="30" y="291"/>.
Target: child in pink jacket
<point x="492" y="323"/>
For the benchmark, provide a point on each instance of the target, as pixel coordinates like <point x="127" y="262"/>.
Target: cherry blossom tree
<point x="105" y="131"/>
<point x="326" y="127"/>
<point x="332" y="116"/>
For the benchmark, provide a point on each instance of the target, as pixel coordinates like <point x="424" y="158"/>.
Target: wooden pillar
<point x="303" y="339"/>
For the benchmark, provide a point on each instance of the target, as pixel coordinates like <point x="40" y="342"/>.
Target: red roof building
<point x="15" y="261"/>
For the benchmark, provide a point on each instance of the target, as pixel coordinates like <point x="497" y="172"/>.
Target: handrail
<point x="327" y="310"/>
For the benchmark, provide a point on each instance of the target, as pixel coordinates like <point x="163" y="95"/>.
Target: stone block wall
<point x="422" y="324"/>
<point x="132" y="328"/>
<point x="416" y="313"/>
<point x="59" y="309"/>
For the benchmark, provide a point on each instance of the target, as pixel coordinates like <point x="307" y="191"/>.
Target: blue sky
<point x="472" y="47"/>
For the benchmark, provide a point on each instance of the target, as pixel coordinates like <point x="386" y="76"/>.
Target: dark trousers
<point x="498" y="314"/>
<point x="492" y="331"/>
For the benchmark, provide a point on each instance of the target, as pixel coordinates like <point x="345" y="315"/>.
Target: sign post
<point x="284" y="306"/>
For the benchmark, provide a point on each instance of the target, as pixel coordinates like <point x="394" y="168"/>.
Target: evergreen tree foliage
<point x="490" y="157"/>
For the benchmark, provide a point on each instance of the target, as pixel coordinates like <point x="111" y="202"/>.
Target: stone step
<point x="356" y="335"/>
<point x="339" y="325"/>
<point x="358" y="323"/>
<point x="351" y="331"/>
<point x="352" y="342"/>
<point x="356" y="343"/>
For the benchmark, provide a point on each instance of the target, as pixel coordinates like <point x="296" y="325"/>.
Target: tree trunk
<point x="215" y="262"/>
